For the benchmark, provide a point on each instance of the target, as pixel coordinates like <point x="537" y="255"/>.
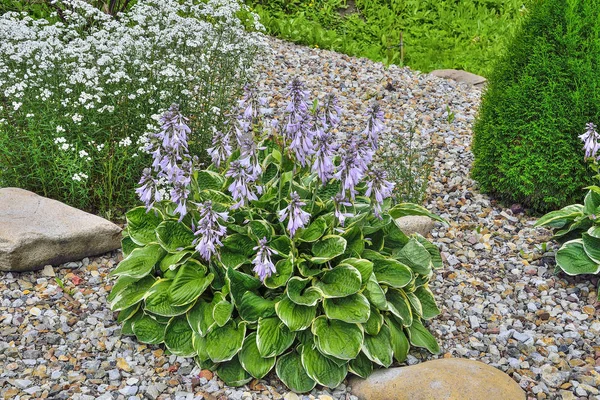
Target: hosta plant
<point x="577" y="226"/>
<point x="282" y="254"/>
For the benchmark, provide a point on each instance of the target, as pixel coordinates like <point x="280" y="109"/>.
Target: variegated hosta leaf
<point x="399" y="305"/>
<point x="404" y="209"/>
<point x="174" y="236"/>
<point x="373" y="325"/>
<point x="222" y="343"/>
<point x="299" y="293"/>
<point x="375" y="294"/>
<point x="399" y="340"/>
<point x="273" y="337"/>
<point x="314" y="231"/>
<point x="256" y="365"/>
<point x="149" y="330"/>
<point x="159" y="300"/>
<point x="128" y="245"/>
<point x="429" y="307"/>
<point x="392" y="272"/>
<point x="232" y="373"/>
<point x="352" y="309"/>
<point x="252" y="307"/>
<point x="378" y="348"/>
<point x="321" y="369"/>
<point x="340" y="281"/>
<point x="239" y="283"/>
<point x="284" y="270"/>
<point x="200" y="317"/>
<point x="337" y="338"/>
<point x="173" y="260"/>
<point x="291" y="372"/>
<point x="142" y="224"/>
<point x="296" y="317"/>
<point x="327" y="248"/>
<point x="140" y="261"/>
<point x="434" y="252"/>
<point x="189" y="283"/>
<point x="421" y="337"/>
<point x="131" y="294"/>
<point x="573" y="260"/>
<point x="178" y="337"/>
<point x="415" y="256"/>
<point x="222" y="312"/>
<point x="364" y="266"/>
<point x="361" y="366"/>
<point x="199" y="344"/>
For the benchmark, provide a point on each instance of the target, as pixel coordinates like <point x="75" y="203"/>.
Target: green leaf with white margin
<point x="327" y="248"/>
<point x="591" y="202"/>
<point x="425" y="296"/>
<point x="281" y="246"/>
<point x="232" y="373"/>
<point x="239" y="283"/>
<point x="364" y="266"/>
<point x="127" y="313"/>
<point x="159" y="300"/>
<point x="361" y="366"/>
<point x="148" y="330"/>
<point x="573" y="260"/>
<point x="140" y="261"/>
<point x="375" y="294"/>
<point x="178" y="337"/>
<point x="373" y="325"/>
<point x="341" y="281"/>
<point x="392" y="272"/>
<point x="296" y="317"/>
<point x="120" y="285"/>
<point x="209" y="180"/>
<point x="273" y="337"/>
<point x="222" y="312"/>
<point x="399" y="305"/>
<point x="174" y="236"/>
<point x="300" y="294"/>
<point x="252" y="361"/>
<point x="291" y="372"/>
<point x="558" y="219"/>
<point x="404" y="209"/>
<point x="337" y="338"/>
<point x="199" y="344"/>
<point x="128" y="245"/>
<point x="314" y="231"/>
<point x="200" y="317"/>
<point x="414" y="303"/>
<point x="141" y="225"/>
<point x="399" y="341"/>
<point x="173" y="260"/>
<point x="378" y="347"/>
<point x="321" y="369"/>
<point x="132" y="294"/>
<point x="415" y="256"/>
<point x="283" y="272"/>
<point x="355" y="241"/>
<point x="189" y="283"/>
<point x="261" y="229"/>
<point x="127" y="328"/>
<point x="223" y="343"/>
<point x="594" y="231"/>
<point x="591" y="246"/>
<point x="352" y="309"/>
<point x="252" y="307"/>
<point x="434" y="252"/>
<point x="419" y="336"/>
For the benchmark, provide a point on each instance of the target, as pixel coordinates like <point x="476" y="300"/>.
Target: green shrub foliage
<point x="278" y="271"/>
<point x="541" y="94"/>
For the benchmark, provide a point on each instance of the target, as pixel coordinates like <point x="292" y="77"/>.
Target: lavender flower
<point x="148" y="192"/>
<point x="221" y="149"/>
<point x="338" y="201"/>
<point x="298" y="218"/>
<point x="298" y="129"/>
<point x="263" y="266"/>
<point x="209" y="230"/>
<point x="239" y="189"/>
<point x="590" y="140"/>
<point x="379" y="188"/>
<point x="329" y="114"/>
<point x="353" y="167"/>
<point x="179" y="195"/>
<point x="374" y="124"/>
<point x="174" y="130"/>
<point x="323" y="164"/>
<point x="249" y="156"/>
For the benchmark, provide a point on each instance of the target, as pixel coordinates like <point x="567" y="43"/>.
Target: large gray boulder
<point x="459" y="76"/>
<point x="442" y="379"/>
<point x="415" y="224"/>
<point x="36" y="231"/>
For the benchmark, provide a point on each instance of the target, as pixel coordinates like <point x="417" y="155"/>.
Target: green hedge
<point x="541" y="94"/>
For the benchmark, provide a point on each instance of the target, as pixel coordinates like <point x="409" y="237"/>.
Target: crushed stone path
<point x="501" y="303"/>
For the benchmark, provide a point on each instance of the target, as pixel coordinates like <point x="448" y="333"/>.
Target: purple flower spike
<point x="338" y="201"/>
<point x="148" y="192"/>
<point x="323" y="164"/>
<point x="221" y="149"/>
<point x="331" y="112"/>
<point x="590" y="140"/>
<point x="239" y="189"/>
<point x="379" y="188"/>
<point x="298" y="129"/>
<point x="209" y="230"/>
<point x="263" y="266"/>
<point x="374" y="124"/>
<point x="353" y="167"/>
<point x="179" y="194"/>
<point x="298" y="218"/>
<point x="175" y="130"/>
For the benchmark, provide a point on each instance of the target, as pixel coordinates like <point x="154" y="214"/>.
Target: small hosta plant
<point x="283" y="254"/>
<point x="577" y="226"/>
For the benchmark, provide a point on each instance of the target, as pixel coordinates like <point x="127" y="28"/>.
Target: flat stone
<point x="442" y="379"/>
<point x="415" y="224"/>
<point x="460" y="76"/>
<point x="36" y="231"/>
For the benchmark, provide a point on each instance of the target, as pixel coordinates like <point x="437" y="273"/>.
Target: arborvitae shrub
<point x="543" y="91"/>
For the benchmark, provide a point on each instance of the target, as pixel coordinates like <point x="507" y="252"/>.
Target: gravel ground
<point x="501" y="303"/>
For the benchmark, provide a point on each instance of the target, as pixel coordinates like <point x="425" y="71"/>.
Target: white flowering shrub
<point x="76" y="96"/>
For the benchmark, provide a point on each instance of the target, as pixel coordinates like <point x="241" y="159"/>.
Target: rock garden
<point x="294" y="224"/>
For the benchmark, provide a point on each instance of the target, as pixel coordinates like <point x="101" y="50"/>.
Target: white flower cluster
<point x="79" y="176"/>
